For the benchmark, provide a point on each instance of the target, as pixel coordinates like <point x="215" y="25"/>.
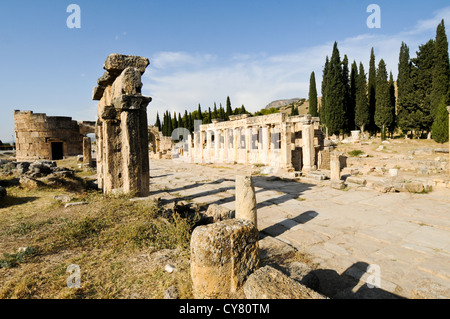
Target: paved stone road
<point x="407" y="236"/>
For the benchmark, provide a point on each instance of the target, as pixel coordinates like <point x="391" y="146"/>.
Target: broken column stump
<point x="245" y="199"/>
<point x="223" y="255"/>
<point x="122" y="129"/>
<point x="87" y="152"/>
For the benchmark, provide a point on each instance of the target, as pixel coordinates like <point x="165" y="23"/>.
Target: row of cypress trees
<point x="170" y="123"/>
<point x="350" y="100"/>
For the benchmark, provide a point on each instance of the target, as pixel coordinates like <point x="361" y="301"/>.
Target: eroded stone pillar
<point x="87" y="151"/>
<point x="223" y="255"/>
<point x="448" y="109"/>
<point x="286" y="142"/>
<point x="245" y="199"/>
<point x="335" y="166"/>
<point x="308" y="151"/>
<point x="236" y="136"/>
<point x="122" y="126"/>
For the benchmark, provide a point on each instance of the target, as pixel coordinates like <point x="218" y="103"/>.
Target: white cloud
<point x="178" y="81"/>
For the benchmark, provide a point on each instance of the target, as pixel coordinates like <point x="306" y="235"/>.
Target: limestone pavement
<point x="405" y="235"/>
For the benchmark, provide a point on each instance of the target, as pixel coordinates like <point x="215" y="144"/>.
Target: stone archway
<point x="154" y="139"/>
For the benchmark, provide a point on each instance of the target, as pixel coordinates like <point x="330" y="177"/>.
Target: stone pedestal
<point x="223" y="255"/>
<point x="122" y="128"/>
<point x="245" y="199"/>
<point x="356" y="136"/>
<point x="308" y="152"/>
<point x="87" y="151"/>
<point x="335" y="166"/>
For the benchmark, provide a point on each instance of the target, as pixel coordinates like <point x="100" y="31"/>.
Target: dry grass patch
<point x="112" y="239"/>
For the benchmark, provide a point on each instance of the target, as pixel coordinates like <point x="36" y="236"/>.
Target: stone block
<point x="270" y="283"/>
<point x="246" y="199"/>
<point x="116" y="63"/>
<point x="223" y="255"/>
<point x="356" y="180"/>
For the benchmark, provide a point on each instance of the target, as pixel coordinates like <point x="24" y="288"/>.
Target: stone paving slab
<point x="407" y="235"/>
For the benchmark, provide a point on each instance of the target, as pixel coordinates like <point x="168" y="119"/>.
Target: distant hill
<point x="280" y="103"/>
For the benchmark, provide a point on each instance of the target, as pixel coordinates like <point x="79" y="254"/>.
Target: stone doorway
<point x="57" y="151"/>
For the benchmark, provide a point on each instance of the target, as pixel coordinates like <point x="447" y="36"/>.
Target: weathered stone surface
<point x="270" y="247"/>
<point x="129" y="82"/>
<point x="218" y="213"/>
<point x="356" y="180"/>
<point x="337" y="185"/>
<point x="246" y="199"/>
<point x="28" y="182"/>
<point x="97" y="92"/>
<point x="223" y="254"/>
<point x="171" y="293"/>
<point x="269" y="283"/>
<point x="116" y="63"/>
<point x="122" y="128"/>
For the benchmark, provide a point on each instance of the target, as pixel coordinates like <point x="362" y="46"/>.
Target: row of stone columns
<point x="263" y="139"/>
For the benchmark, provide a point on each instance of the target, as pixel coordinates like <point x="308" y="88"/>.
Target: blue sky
<point x="200" y="51"/>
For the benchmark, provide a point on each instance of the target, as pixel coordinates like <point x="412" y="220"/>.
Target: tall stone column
<point x="285" y="151"/>
<point x="122" y="128"/>
<point x="99" y="159"/>
<point x="202" y="149"/>
<point x="266" y="144"/>
<point x="236" y="135"/>
<point x="308" y="152"/>
<point x="216" y="146"/>
<point x="225" y="146"/>
<point x="248" y="141"/>
<point x="448" y="109"/>
<point x="335" y="166"/>
<point x="245" y="199"/>
<point x="208" y="146"/>
<point x="87" y="151"/>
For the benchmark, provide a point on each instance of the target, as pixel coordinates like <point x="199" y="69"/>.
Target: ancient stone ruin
<point x="42" y="137"/>
<point x="121" y="128"/>
<point x="292" y="143"/>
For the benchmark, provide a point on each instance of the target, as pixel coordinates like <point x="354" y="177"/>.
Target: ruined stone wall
<point x="276" y="140"/>
<point x="121" y="128"/>
<point x="35" y="133"/>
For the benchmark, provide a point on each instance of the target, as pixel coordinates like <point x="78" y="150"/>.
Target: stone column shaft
<point x="245" y="199"/>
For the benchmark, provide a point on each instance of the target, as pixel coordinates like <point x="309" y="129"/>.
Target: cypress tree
<point x="404" y="89"/>
<point x="294" y="110"/>
<point x="322" y="110"/>
<point x="243" y="110"/>
<point x="215" y="114"/>
<point x="439" y="129"/>
<point x="158" y="122"/>
<point x="174" y="121"/>
<point x="199" y="113"/>
<point x="209" y="118"/>
<point x="229" y="110"/>
<point x="383" y="108"/>
<point x="335" y="94"/>
<point x="352" y="96"/>
<point x="372" y="92"/>
<point x="441" y="72"/>
<point x="392" y="106"/>
<point x="346" y="81"/>
<point x="312" y="96"/>
<point x="422" y="82"/>
<point x="362" y="102"/>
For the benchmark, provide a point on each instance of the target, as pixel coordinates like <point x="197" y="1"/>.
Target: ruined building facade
<point x="42" y="137"/>
<point x="293" y="143"/>
<point x="121" y="127"/>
